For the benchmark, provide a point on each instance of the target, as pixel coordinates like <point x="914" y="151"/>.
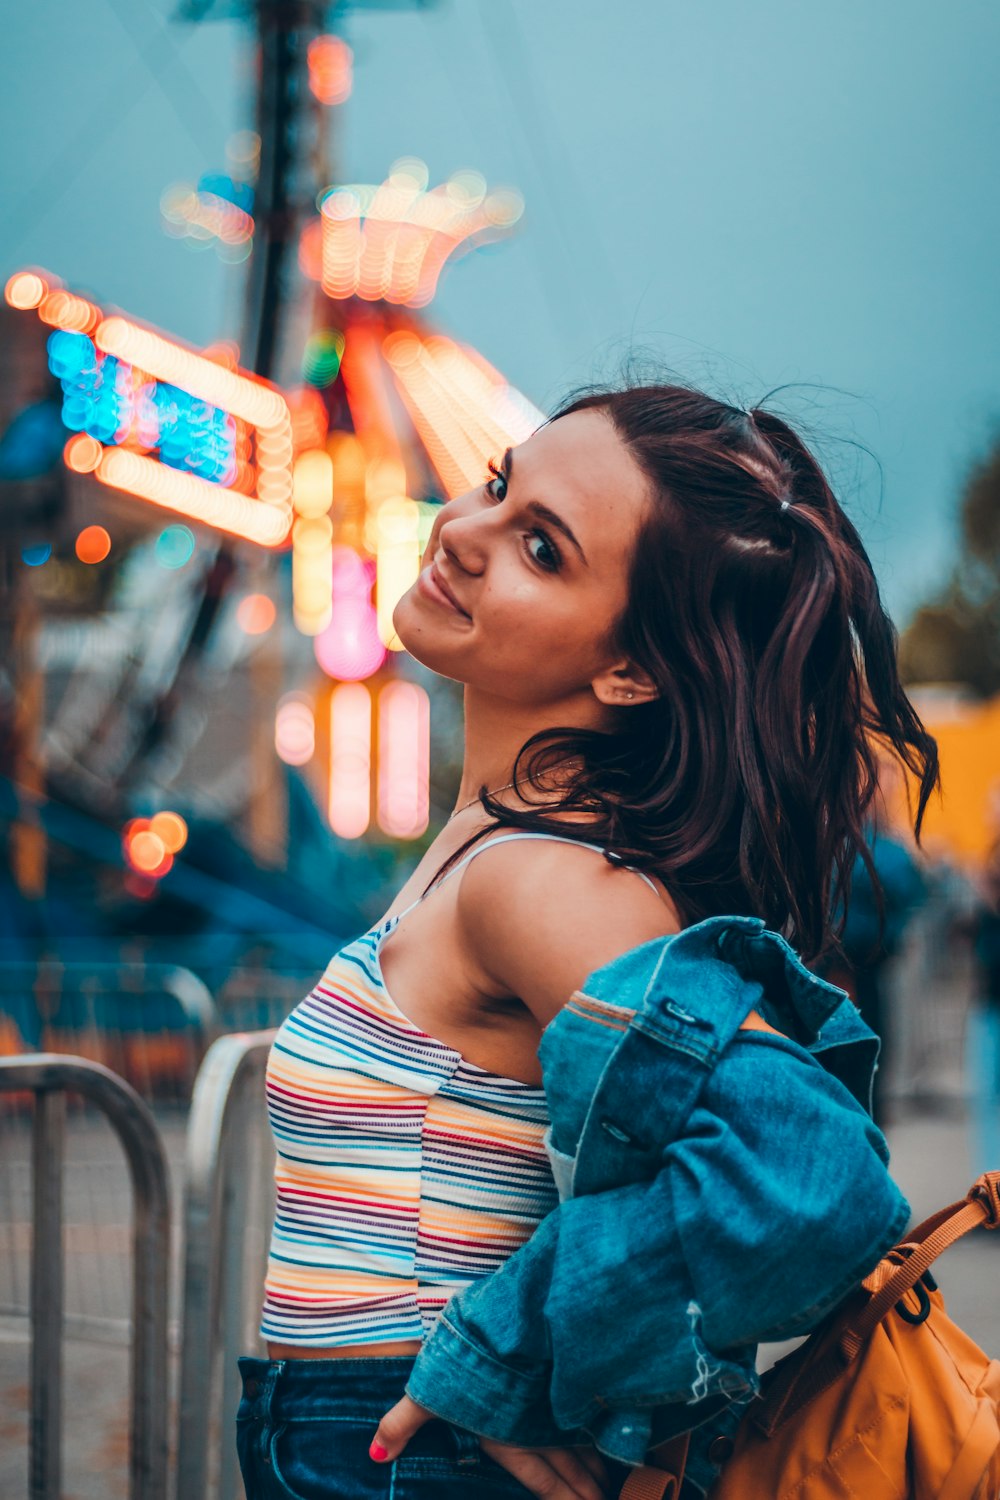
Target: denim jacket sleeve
<point x="757" y="1222"/>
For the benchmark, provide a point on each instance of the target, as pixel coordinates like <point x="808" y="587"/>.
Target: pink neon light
<point x="349" y="648"/>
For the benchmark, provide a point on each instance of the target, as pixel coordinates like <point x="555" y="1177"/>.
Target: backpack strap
<point x="890" y="1281"/>
<point x="661" y="1477"/>
<point x="808" y="1372"/>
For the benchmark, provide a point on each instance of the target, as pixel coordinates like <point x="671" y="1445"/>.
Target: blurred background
<point x="281" y="276"/>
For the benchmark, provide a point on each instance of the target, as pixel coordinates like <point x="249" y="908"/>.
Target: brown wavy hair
<point x="746" y="785"/>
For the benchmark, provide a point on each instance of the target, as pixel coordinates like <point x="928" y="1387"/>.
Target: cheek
<point x="553" y="636"/>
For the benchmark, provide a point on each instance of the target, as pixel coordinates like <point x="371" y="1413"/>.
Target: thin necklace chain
<point x="494" y="793"/>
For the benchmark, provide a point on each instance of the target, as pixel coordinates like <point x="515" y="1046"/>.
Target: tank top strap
<point x="505" y="838"/>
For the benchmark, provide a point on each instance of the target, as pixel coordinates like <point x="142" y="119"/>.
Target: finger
<point x="535" y="1471"/>
<point x="595" y="1463"/>
<point x="569" y="1466"/>
<point x="597" y="1467"/>
<point x="396" y="1428"/>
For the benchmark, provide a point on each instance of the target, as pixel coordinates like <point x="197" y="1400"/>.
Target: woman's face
<point x="537" y="609"/>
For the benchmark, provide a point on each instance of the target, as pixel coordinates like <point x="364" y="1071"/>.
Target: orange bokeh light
<point x="255" y="614"/>
<point x="25" y="290"/>
<point x="148" y="853"/>
<point x="171" y="829"/>
<point x="145" y="850"/>
<point x="309" y="418"/>
<point x="61" y="309"/>
<point x="93" y="544"/>
<point x="82" y="453"/>
<point x="311" y="250"/>
<point x="330" y="69"/>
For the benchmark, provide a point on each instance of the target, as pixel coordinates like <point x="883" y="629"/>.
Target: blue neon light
<point x="101" y="397"/>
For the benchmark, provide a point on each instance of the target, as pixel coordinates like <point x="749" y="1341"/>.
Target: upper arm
<point x="538" y="917"/>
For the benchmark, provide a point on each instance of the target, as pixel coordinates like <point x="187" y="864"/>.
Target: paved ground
<point x="930" y="1161"/>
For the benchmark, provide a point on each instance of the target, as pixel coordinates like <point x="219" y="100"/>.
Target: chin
<point x="420" y="641"/>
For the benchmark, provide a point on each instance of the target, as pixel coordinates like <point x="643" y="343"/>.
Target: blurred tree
<point x="955" y="637"/>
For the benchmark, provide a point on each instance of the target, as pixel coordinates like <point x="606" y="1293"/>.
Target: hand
<point x="550" y="1473"/>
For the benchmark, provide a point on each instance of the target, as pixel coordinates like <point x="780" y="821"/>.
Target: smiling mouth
<point x="435" y="589"/>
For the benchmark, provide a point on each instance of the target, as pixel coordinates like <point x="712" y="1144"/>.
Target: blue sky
<point x="755" y="194"/>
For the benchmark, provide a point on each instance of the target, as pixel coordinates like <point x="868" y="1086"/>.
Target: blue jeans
<point x="304" y="1425"/>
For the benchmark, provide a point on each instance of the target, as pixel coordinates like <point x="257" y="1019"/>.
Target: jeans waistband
<point x="364" y="1388"/>
<point x="359" y="1390"/>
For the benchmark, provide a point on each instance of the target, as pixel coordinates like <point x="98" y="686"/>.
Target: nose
<point x="462" y="541"/>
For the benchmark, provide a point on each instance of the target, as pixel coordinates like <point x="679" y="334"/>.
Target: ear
<point x="624" y="684"/>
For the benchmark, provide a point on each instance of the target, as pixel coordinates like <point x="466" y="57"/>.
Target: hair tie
<point x="786" y="505"/>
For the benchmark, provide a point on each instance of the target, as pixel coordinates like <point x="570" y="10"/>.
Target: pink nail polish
<point x="378" y="1452"/>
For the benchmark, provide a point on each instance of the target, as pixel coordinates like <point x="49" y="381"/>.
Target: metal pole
<point x="48" y="1076"/>
<point x="233" y="1065"/>
<point x="48" y="1148"/>
<point x="286" y="116"/>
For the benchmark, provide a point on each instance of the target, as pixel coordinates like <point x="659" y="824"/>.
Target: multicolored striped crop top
<point x="403" y="1171"/>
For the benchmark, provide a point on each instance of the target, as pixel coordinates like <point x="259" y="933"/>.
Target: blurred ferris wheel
<point x="314" y="452"/>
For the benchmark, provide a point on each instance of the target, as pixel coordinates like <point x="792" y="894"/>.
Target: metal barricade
<point x="49" y="1077"/>
<point x="227" y="1216"/>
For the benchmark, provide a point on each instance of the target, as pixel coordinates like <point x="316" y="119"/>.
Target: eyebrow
<point x="542" y="511"/>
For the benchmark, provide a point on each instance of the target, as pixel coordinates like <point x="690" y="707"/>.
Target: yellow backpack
<point x="887" y="1400"/>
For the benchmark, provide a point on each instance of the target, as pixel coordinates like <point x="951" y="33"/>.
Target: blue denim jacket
<point x="718" y="1188"/>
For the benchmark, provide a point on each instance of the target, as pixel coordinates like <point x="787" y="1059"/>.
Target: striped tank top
<point x="403" y="1172"/>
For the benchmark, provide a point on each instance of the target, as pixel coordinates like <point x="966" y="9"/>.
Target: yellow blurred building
<point x="964" y="821"/>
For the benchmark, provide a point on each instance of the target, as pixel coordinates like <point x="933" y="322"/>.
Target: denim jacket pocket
<point x="563" y="1166"/>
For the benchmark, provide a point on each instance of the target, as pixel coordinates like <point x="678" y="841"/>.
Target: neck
<point x="497" y="728"/>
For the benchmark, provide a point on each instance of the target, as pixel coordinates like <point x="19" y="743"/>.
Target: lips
<point x="446" y="591"/>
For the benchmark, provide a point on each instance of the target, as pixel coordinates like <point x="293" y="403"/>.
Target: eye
<point x="499" y="477"/>
<point x="549" y="558"/>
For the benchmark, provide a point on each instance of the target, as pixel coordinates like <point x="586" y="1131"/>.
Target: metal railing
<point x="227" y="1213"/>
<point x="49" y="1077"/>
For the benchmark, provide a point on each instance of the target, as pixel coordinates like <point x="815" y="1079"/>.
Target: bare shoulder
<point x="539" y="915"/>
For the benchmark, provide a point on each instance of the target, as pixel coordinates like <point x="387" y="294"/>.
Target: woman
<point x="673" y="651"/>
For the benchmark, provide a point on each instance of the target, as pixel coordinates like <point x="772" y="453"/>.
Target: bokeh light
<point x="36" y="555"/>
<point x="295" y="730"/>
<point x="144" y="849"/>
<point x="311" y="250"/>
<point x="390" y="241"/>
<point x="403" y="797"/>
<point x="255" y="614"/>
<point x="25" y="290"/>
<point x="349" y="648"/>
<point x="309" y="418"/>
<point x="330" y="62"/>
<point x="209" y="503"/>
<point x="171" y="829"/>
<point x="397" y="526"/>
<point x="463" y="409"/>
<point x="93" y="544"/>
<point x="175" y="546"/>
<point x="349" y="799"/>
<point x="61" y="309"/>
<point x="128" y="391"/>
<point x="312" y="483"/>
<point x="321" y="357"/>
<point x="82" y="453"/>
<point x="312" y="574"/>
<point x="200" y="215"/>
